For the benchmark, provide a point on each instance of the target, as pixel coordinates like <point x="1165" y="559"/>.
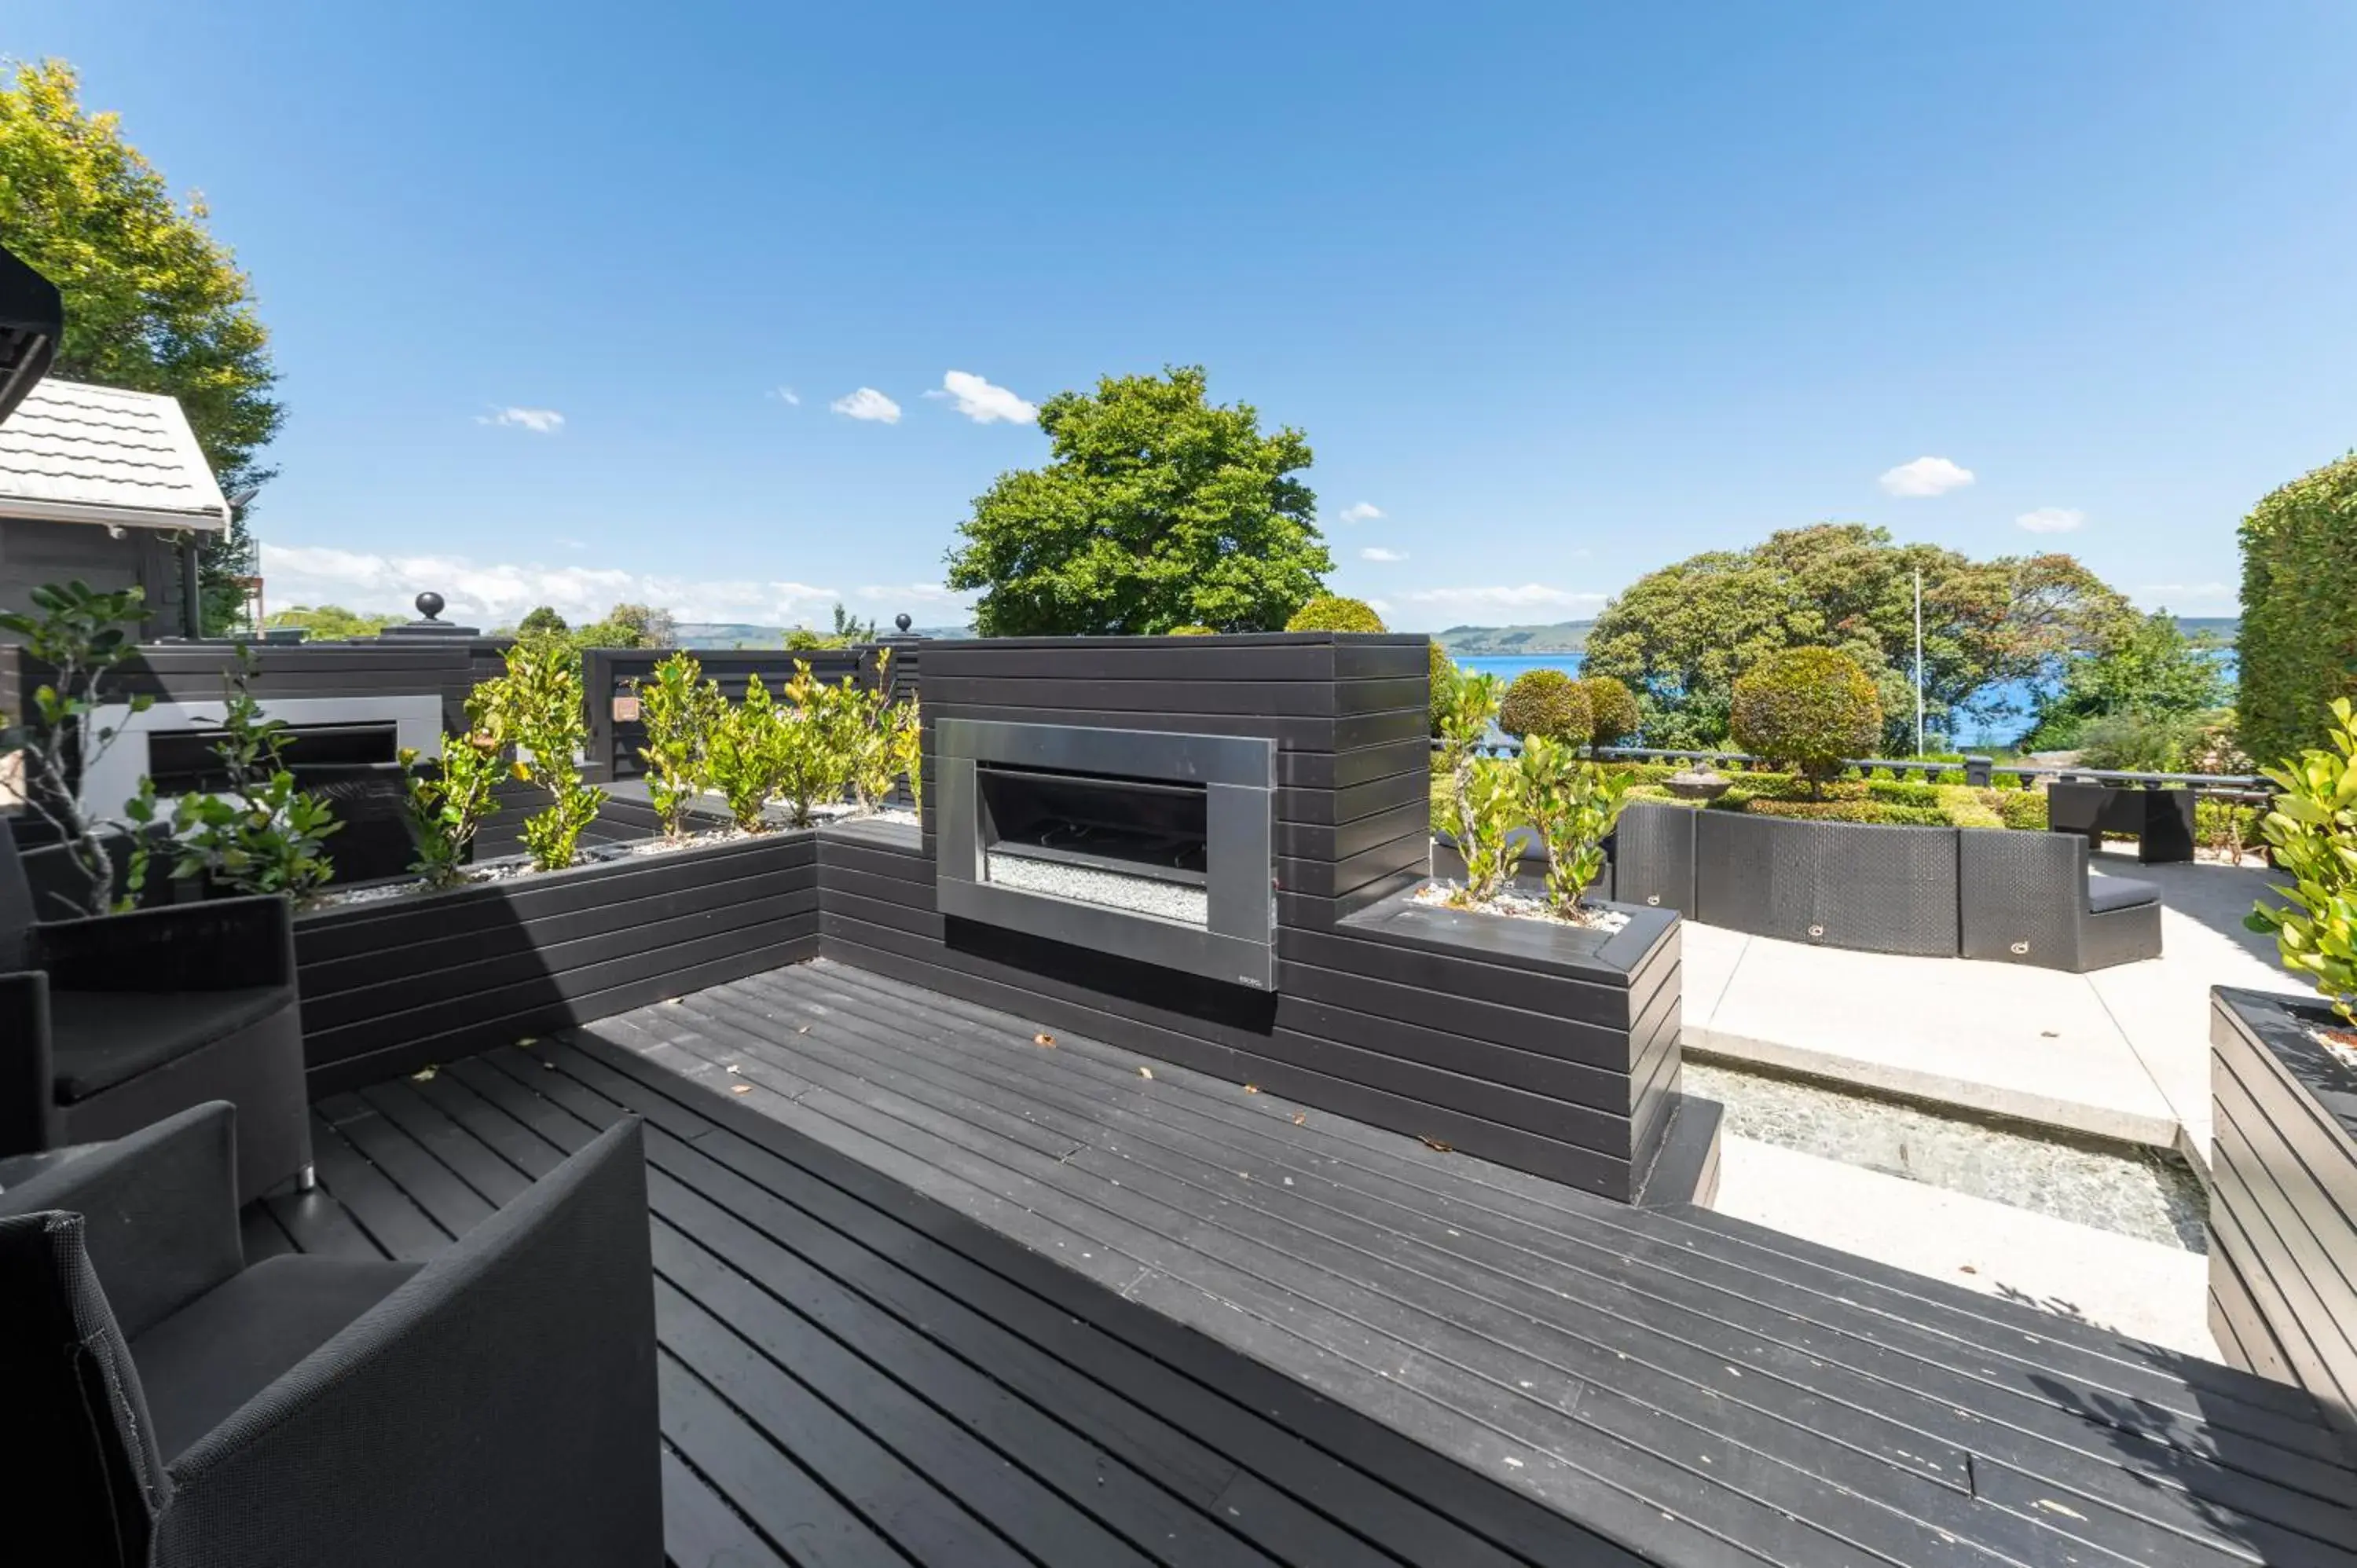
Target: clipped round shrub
<point x="1332" y="612"/>
<point x="1612" y="715"/>
<point x="1190" y="631"/>
<point x="1807" y="708"/>
<point x="1547" y="702"/>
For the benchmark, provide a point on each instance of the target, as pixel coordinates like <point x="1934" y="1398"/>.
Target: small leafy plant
<point x="821" y="735"/>
<point x="880" y="748"/>
<point x="908" y="750"/>
<point x="2313" y="831"/>
<point x="536" y="709"/>
<point x="260" y="834"/>
<point x="1809" y="708"/>
<point x="448" y="805"/>
<point x="1463" y="712"/>
<point x="82" y="636"/>
<point x="681" y="711"/>
<point x="1489" y="804"/>
<point x="1572" y="804"/>
<point x="742" y="757"/>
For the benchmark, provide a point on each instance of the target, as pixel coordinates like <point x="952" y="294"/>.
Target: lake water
<point x="2019" y="696"/>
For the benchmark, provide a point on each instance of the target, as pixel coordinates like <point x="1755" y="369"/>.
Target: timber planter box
<point x="393" y="984"/>
<point x="2283" y="1199"/>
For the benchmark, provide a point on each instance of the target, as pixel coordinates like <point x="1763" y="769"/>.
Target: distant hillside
<point x="1494" y="641"/>
<point x="733" y="634"/>
<point x="2225" y="629"/>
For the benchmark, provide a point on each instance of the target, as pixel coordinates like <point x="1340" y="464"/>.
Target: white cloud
<point x="1529" y="595"/>
<point x="867" y="404"/>
<point x="539" y="421"/>
<point x="2052" y="520"/>
<point x="1363" y="511"/>
<point x="921" y="592"/>
<point x="1926" y="476"/>
<point x="1381" y="607"/>
<point x="492" y="594"/>
<point x="572" y="543"/>
<point x="787" y="395"/>
<point x="1377" y="553"/>
<point x="982" y="401"/>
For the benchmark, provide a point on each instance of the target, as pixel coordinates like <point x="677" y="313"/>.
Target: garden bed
<point x="391" y="984"/>
<point x="2283" y="1197"/>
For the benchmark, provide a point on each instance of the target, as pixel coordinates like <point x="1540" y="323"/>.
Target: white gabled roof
<point x="75" y="453"/>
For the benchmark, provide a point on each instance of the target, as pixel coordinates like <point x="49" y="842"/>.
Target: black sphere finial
<point x="901" y="621"/>
<point x="429" y="604"/>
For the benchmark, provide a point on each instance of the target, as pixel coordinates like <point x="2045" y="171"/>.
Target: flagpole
<point x="1919" y="660"/>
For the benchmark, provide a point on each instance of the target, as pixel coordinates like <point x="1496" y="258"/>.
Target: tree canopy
<point x="153" y="301"/>
<point x="1156" y="510"/>
<point x="1681" y="636"/>
<point x="2151" y="670"/>
<point x="331" y="623"/>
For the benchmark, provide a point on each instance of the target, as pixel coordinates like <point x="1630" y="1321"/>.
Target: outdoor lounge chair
<point x="109" y="1023"/>
<point x="2027" y="898"/>
<point x="494" y="1406"/>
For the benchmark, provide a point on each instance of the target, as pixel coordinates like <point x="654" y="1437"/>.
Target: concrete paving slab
<point x="2153" y="1291"/>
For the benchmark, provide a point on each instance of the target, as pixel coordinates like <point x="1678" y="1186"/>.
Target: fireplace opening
<point x="1129" y="844"/>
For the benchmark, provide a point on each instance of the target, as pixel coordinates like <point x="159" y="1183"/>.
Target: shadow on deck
<point x="933" y="1287"/>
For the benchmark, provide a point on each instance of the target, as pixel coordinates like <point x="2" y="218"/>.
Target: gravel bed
<point x="1143" y="894"/>
<point x="2131" y="1191"/>
<point x="1518" y="905"/>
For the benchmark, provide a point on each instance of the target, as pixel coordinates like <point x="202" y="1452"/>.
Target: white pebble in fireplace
<point x="1139" y="895"/>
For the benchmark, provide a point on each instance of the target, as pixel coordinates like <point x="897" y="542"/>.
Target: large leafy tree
<point x="2152" y="669"/>
<point x="1157" y="510"/>
<point x="153" y="301"/>
<point x="1681" y="636"/>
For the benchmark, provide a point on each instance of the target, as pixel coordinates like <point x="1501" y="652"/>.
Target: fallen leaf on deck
<point x="1967" y="1269"/>
<point x="741" y="1088"/>
<point x="1145" y="1072"/>
<point x="671" y="1001"/>
<point x="1435" y="1143"/>
<point x="529" y="1041"/>
<point x="803" y="1030"/>
<point x="422" y="1075"/>
<point x="1251" y="1088"/>
<point x="734" y="1068"/>
<point x="1043" y="1039"/>
<point x="1299" y="1120"/>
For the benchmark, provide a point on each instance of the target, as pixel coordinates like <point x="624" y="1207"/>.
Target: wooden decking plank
<point x="922" y="1519"/>
<point x="260" y="1233"/>
<point x="791" y="1509"/>
<point x="396" y="1225"/>
<point x="987" y="1480"/>
<point x="981" y="1267"/>
<point x="428" y="1183"/>
<point x="517" y="1143"/>
<point x="1609" y="1457"/>
<point x="480" y="1166"/>
<point x="316" y="1222"/>
<point x="701" y="1529"/>
<point x="2034" y="1358"/>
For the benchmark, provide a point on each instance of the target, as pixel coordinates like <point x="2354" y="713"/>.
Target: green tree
<point x="1156" y="510"/>
<point x="1681" y="636"/>
<point x="330" y="623"/>
<point x="655" y="627"/>
<point x="2297" y="647"/>
<point x="1807" y="708"/>
<point x="2151" y="670"/>
<point x="542" y="620"/>
<point x="153" y="301"/>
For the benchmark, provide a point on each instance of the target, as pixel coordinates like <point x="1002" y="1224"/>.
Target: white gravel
<point x="1086" y="884"/>
<point x="1520" y="905"/>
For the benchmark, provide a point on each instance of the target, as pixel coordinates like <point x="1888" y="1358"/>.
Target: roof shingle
<point x="78" y="447"/>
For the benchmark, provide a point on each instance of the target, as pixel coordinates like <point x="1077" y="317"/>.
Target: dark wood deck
<point x="927" y="1280"/>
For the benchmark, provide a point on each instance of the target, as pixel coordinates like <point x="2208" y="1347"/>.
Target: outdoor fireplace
<point x="1151" y="846"/>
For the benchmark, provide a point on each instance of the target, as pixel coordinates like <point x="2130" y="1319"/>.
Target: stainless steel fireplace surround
<point x="1150" y="846"/>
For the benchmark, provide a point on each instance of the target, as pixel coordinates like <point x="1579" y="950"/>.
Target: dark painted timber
<point x="1698" y="1390"/>
<point x="853" y="1373"/>
<point x="399" y="982"/>
<point x="2283" y="1197"/>
<point x="610" y="679"/>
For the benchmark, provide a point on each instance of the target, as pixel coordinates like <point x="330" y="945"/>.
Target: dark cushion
<point x="199" y="1365"/>
<point x="101" y="1039"/>
<point x="2105" y="894"/>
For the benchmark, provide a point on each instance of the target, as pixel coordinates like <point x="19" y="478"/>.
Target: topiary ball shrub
<point x="1612" y="715"/>
<point x="1332" y="612"/>
<point x="1547" y="702"/>
<point x="1807" y="708"/>
<point x="1190" y="631"/>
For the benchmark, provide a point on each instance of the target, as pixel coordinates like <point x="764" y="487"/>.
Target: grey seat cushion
<point x="2105" y="894"/>
<point x="199" y="1365"/>
<point x="101" y="1039"/>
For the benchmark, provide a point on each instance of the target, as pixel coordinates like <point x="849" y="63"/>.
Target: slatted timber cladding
<point x="2283" y="1199"/>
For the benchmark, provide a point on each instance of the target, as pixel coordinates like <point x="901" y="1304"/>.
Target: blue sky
<point x="1563" y="292"/>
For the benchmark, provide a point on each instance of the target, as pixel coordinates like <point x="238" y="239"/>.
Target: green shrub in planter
<point x="1807" y="708"/>
<point x="1544" y="703"/>
<point x="1190" y="631"/>
<point x="1332" y="612"/>
<point x="1873" y="812"/>
<point x="1572" y="804"/>
<point x="1612" y="715"/>
<point x="536" y="710"/>
<point x="1965" y="807"/>
<point x="1902" y="792"/>
<point x="680" y="709"/>
<point x="2024" y="809"/>
<point x="2313" y="831"/>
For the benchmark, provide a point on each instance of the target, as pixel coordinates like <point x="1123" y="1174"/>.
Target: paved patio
<point x="2123" y="1053"/>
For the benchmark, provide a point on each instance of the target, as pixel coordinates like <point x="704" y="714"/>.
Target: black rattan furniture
<point x="1653" y="854"/>
<point x="1864" y="887"/>
<point x="2161" y="820"/>
<point x="495" y="1406"/>
<point x="109" y="1023"/>
<point x="2027" y="898"/>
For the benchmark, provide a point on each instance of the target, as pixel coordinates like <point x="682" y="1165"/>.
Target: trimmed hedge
<point x="1853" y="811"/>
<point x="2023" y="809"/>
<point x="1332" y="612"/>
<point x="1808" y="708"/>
<point x="1547" y="702"/>
<point x="2298" y="647"/>
<point x="1190" y="631"/>
<point x="1612" y="715"/>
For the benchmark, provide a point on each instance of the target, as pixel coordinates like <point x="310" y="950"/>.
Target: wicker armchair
<point x="495" y="1406"/>
<point x="2027" y="898"/>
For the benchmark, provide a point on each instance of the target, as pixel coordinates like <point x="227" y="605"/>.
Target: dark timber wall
<point x="393" y="984"/>
<point x="2283" y="1199"/>
<point x="1540" y="1046"/>
<point x="611" y="677"/>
